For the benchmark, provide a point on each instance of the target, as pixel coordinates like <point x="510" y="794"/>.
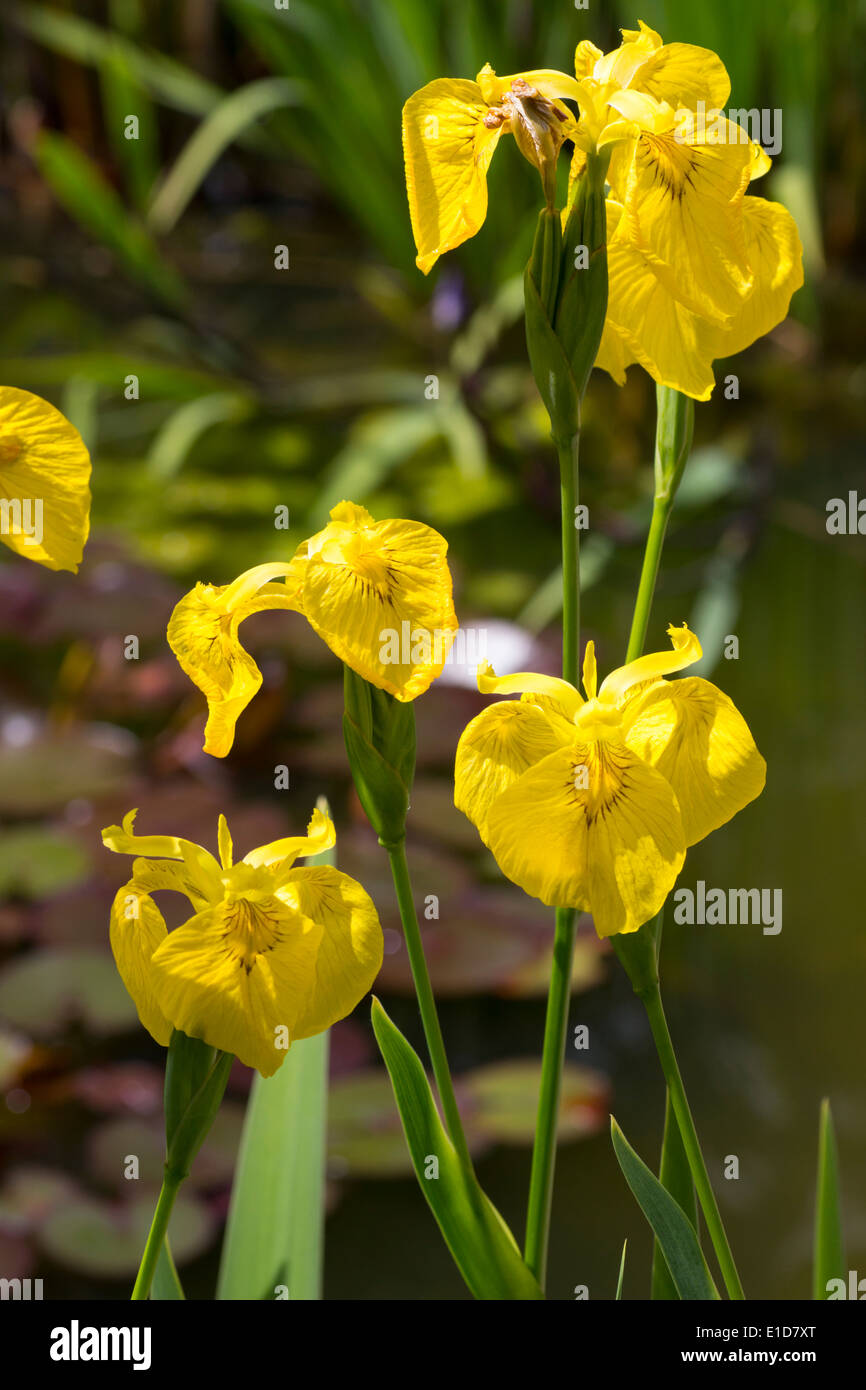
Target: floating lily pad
<point x="44" y="991"/>
<point x="114" y="1142"/>
<point x="36" y="862"/>
<point x="29" y="1194"/>
<point x="105" y="1239"/>
<point x="498" y="1104"/>
<point x="504" y="1100"/>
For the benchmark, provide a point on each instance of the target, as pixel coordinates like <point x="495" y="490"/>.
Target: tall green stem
<point x="649" y="573"/>
<point x="156" y="1238"/>
<point x="556" y="1021"/>
<point x="569" y="492"/>
<point x="426" y="1001"/>
<point x="664" y="1046"/>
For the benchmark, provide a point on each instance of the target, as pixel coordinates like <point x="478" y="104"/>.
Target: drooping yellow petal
<point x="497" y="747"/>
<point x="682" y="194"/>
<point x="350" y="948"/>
<point x="685" y="651"/>
<point x="203" y="634"/>
<point x="137" y="929"/>
<point x="776" y="257"/>
<point x="591" y="827"/>
<point x="44" y="482"/>
<point x="447" y="150"/>
<point x="379" y="594"/>
<point x="320" y="836"/>
<point x="695" y="736"/>
<point x="237" y="976"/>
<point x="647" y="325"/>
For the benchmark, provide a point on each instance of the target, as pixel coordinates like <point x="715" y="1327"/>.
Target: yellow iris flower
<point x="697" y="270"/>
<point x="272" y="953"/>
<point x="451" y="129"/>
<point x="378" y="593"/>
<point x="591" y="803"/>
<point x="44" y="482"/>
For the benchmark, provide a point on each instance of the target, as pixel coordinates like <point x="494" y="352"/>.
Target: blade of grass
<point x="829" y="1252"/>
<point x="221" y="128"/>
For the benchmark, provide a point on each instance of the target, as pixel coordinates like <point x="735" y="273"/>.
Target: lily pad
<point x="105" y="1239"/>
<point x="44" y="991"/>
<point x="36" y="862"/>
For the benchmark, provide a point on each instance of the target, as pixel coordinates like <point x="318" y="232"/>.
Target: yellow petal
<point x="530" y="682"/>
<point x="586" y="55"/>
<point x="237" y="974"/>
<point x="350" y="948"/>
<point x="622" y="65"/>
<point x="647" y="325"/>
<point x="698" y="740"/>
<point x="257" y="971"/>
<point x="685" y="651"/>
<point x="447" y="151"/>
<point x="320" y="836"/>
<point x="682" y="194"/>
<point x="496" y="748"/>
<point x="683" y="75"/>
<point x="776" y="257"/>
<point x="201" y="871"/>
<point x="591" y="827"/>
<point x="137" y="929"/>
<point x="203" y="634"/>
<point x="379" y="594"/>
<point x="44" y="482"/>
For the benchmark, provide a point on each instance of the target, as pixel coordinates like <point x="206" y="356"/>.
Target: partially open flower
<point x="271" y="953"/>
<point x="451" y="128"/>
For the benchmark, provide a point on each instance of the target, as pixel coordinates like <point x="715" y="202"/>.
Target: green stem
<point x="648" y="576"/>
<point x="568" y="473"/>
<point x="156" y="1238"/>
<point x="426" y="1001"/>
<point x="559" y="998"/>
<point x="664" y="1046"/>
<point x="544" y="1152"/>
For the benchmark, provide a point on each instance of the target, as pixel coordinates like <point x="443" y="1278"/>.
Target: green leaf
<point x="829" y="1254"/>
<point x="674" y="1233"/>
<point x="81" y="189"/>
<point x="166" y="1286"/>
<point x="618" y="1294"/>
<point x="276" y="1223"/>
<point x="479" y="1240"/>
<point x="676" y="1177"/>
